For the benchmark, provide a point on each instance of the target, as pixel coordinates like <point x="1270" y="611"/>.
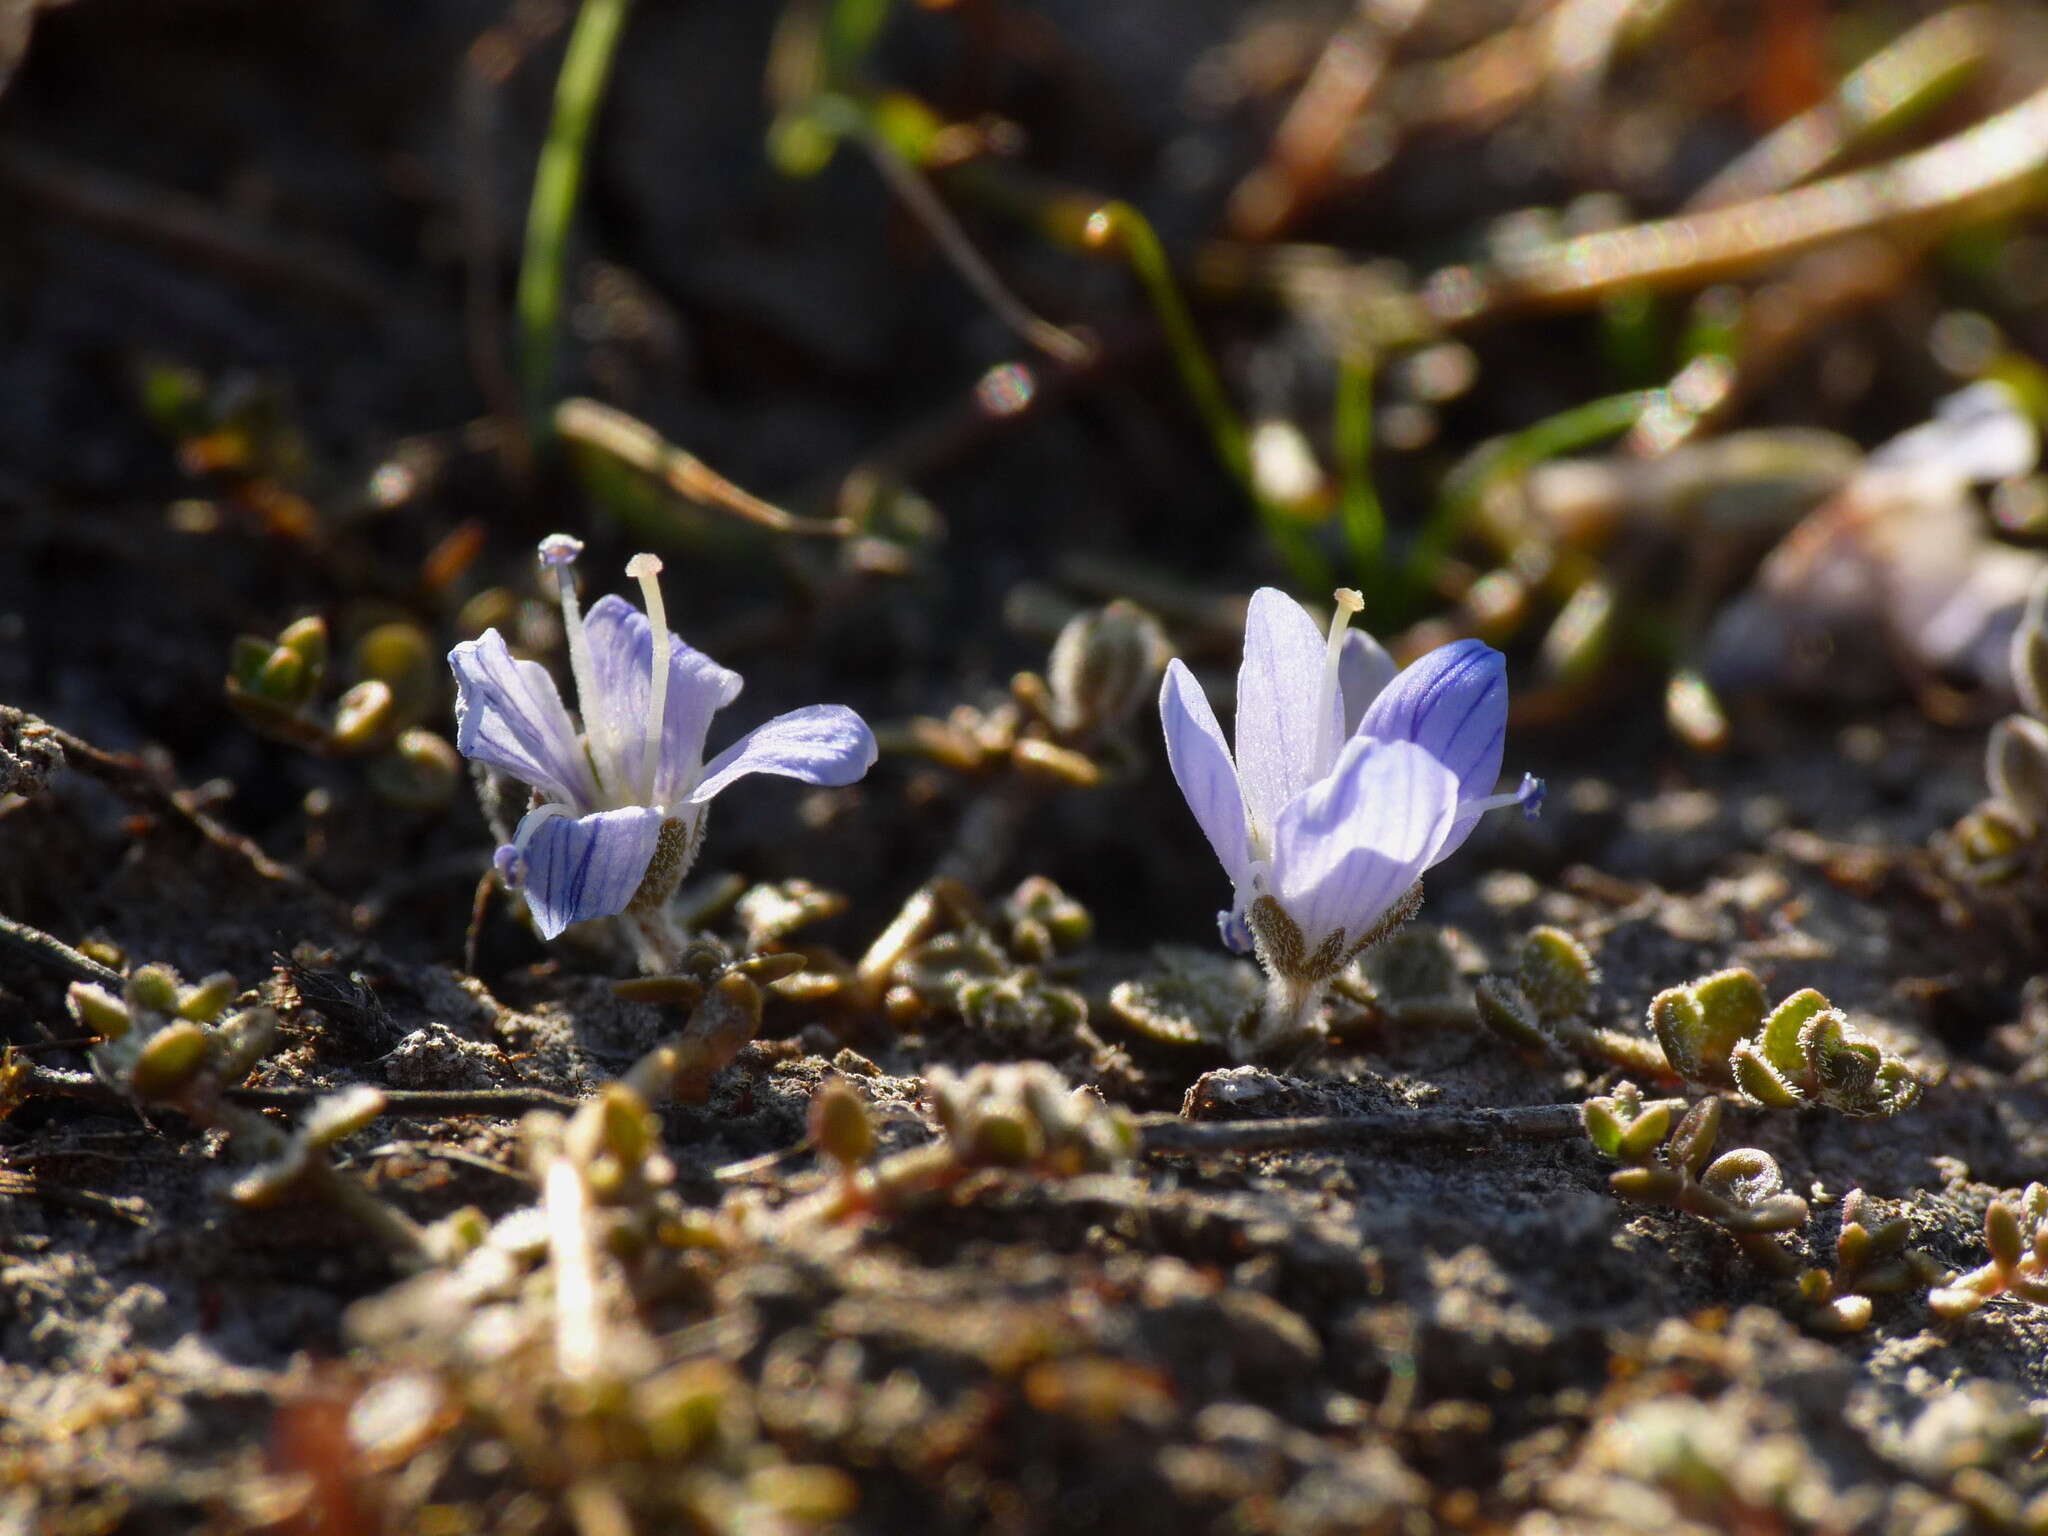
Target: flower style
<point x="618" y="807"/>
<point x="1349" y="781"/>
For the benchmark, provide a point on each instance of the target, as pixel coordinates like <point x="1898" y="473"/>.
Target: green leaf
<point x="1780" y="1039"/>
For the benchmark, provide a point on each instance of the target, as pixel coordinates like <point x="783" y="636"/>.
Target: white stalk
<point x="644" y="568"/>
<point x="1329" y="697"/>
<point x="560" y="552"/>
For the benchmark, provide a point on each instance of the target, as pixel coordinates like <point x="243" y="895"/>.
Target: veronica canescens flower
<point x="1349" y="780"/>
<point x="618" y="805"/>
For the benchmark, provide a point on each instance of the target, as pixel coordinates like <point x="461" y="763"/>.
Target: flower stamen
<point x="644" y="568"/>
<point x="1329" y="702"/>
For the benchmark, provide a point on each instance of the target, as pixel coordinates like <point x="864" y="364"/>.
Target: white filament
<point x="644" y="568"/>
<point x="1329" y="697"/>
<point x="594" y="725"/>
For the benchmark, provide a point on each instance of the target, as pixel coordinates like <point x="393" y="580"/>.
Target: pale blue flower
<point x="1349" y="780"/>
<point x="618" y="806"/>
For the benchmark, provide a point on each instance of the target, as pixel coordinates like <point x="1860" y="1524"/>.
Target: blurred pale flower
<point x="618" y="807"/>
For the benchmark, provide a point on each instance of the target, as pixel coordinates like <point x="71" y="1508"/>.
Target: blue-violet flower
<point x="1349" y="781"/>
<point x="618" y="806"/>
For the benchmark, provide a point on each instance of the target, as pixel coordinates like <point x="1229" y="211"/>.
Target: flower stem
<point x="1291" y="1018"/>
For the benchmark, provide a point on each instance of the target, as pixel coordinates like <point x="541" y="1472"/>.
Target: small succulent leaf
<point x="2016" y="765"/>
<point x="1693" y="1142"/>
<point x="152" y="987"/>
<point x="1951" y="1302"/>
<point x="1779" y="1041"/>
<point x="2002" y="1234"/>
<point x="1504" y="1009"/>
<point x="1845" y="1314"/>
<point x="1603" y="1127"/>
<point x="1650" y="1185"/>
<point x="97" y="1010"/>
<point x="1759" y="1081"/>
<point x="2030" y="654"/>
<point x="336" y="1116"/>
<point x="840" y="1125"/>
<point x="1732" y="1005"/>
<point x="1680" y="1027"/>
<point x="170" y="1060"/>
<point x="1779" y="1213"/>
<point x="204" y="1001"/>
<point x="1854" y="1246"/>
<point x="1896" y="1089"/>
<point x="1646" y="1133"/>
<point x="242" y="1041"/>
<point x="2027" y="1287"/>
<point x="1886" y="1279"/>
<point x="1555" y="973"/>
<point x="1745" y="1175"/>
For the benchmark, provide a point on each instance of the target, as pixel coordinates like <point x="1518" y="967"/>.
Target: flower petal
<point x="1279" y="691"/>
<point x="1363" y="671"/>
<point x="1347" y="850"/>
<point x="621" y="662"/>
<point x="1202" y="768"/>
<point x="822" y="744"/>
<point x="1452" y="702"/>
<point x="580" y="867"/>
<point x="508" y="714"/>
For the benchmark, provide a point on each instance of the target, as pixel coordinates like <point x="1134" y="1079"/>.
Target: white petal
<point x="1350" y="847"/>
<point x="508" y="714"/>
<point x="1202" y="768"/>
<point x="1279" y="702"/>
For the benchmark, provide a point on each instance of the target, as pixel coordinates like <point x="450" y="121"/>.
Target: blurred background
<point x="907" y="331"/>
